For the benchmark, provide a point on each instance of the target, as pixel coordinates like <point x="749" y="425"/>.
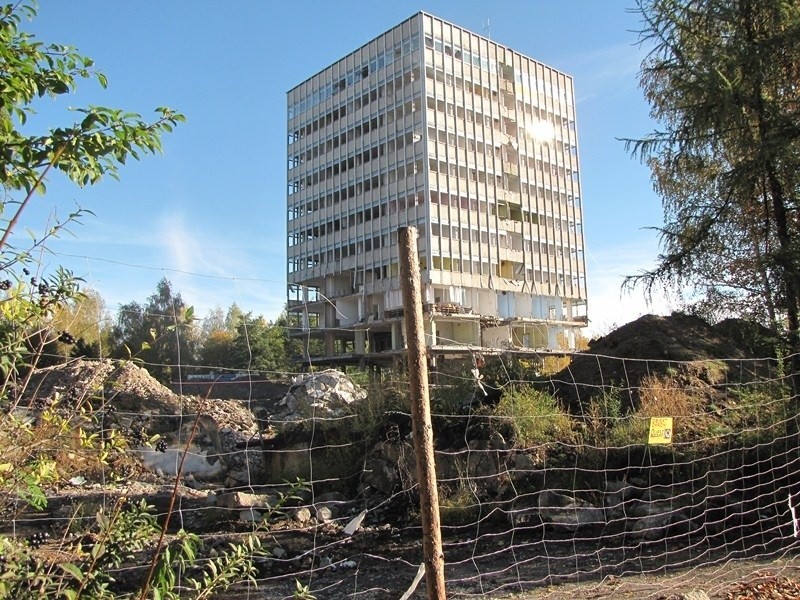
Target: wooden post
<point x="421" y="414"/>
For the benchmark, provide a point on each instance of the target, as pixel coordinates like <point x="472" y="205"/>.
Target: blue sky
<point x="209" y="214"/>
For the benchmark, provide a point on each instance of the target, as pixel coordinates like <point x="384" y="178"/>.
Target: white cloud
<point x="213" y="268"/>
<point x="208" y="263"/>
<point x="608" y="72"/>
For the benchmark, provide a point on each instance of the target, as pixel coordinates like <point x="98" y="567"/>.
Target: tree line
<point x="721" y="78"/>
<point x="163" y="334"/>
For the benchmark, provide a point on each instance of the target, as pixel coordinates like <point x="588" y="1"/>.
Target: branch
<point x="13" y="222"/>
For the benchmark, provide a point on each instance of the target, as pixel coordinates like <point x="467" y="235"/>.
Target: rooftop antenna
<point x="487" y="29"/>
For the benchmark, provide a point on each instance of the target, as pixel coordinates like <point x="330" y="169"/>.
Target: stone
<point x="329" y="393"/>
<point x="355" y="523"/>
<point x="244" y="477"/>
<point x="566" y="513"/>
<point x="250" y="515"/>
<point x="655" y="526"/>
<point x="302" y="515"/>
<point x="324" y="513"/>
<point x="380" y="475"/>
<point x="195" y="463"/>
<point x="245" y="500"/>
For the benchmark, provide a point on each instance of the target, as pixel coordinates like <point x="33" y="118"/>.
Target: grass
<point x="530" y="417"/>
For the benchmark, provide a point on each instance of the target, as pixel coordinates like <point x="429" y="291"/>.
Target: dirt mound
<point x="128" y="389"/>
<point x="678" y="344"/>
<point x="120" y="386"/>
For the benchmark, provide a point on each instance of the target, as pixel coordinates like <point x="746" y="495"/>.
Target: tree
<point x="217" y="338"/>
<point x="253" y="348"/>
<point x="64" y="439"/>
<point x="160" y="333"/>
<point x="213" y="321"/>
<point x="218" y="350"/>
<point x="263" y="346"/>
<point x="722" y="82"/>
<point x="233" y="317"/>
<point x="86" y="150"/>
<point x="86" y="324"/>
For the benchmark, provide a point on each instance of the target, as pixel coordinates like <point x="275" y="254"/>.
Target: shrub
<point x="531" y="417"/>
<point x="659" y="396"/>
<point x="458" y="506"/>
<point x="84" y="563"/>
<point x="603" y="413"/>
<point x="756" y="413"/>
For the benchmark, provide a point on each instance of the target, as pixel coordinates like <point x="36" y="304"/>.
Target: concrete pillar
<point x="398" y="342"/>
<point x="360" y="342"/>
<point x="329" y="343"/>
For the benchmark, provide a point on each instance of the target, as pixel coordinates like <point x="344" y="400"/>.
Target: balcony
<point x="446" y="308"/>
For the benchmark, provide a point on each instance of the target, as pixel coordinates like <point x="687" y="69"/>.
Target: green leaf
<point x="73" y="570"/>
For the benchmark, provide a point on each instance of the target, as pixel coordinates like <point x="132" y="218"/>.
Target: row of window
<point x="459" y="112"/>
<point x="503" y="210"/>
<point x="450" y="168"/>
<point x="453" y="233"/>
<point x="450" y="80"/>
<point x="361" y="186"/>
<point x="337" y="224"/>
<point x="356" y="218"/>
<point x="456" y="232"/>
<point x="509" y="156"/>
<point x="516" y="273"/>
<point x="469" y="173"/>
<point x="362" y="158"/>
<point x="465" y="233"/>
<point x="508" y="181"/>
<point x="487" y="64"/>
<point x="519" y="272"/>
<point x="353" y="76"/>
<point x="509" y="127"/>
<point x="458" y="53"/>
<point x="355" y="248"/>
<point x="353" y="105"/>
<point x="354" y="133"/>
<point x="514" y="241"/>
<point x="437" y="198"/>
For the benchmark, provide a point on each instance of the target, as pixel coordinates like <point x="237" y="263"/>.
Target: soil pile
<point x="127" y="388"/>
<point x="679" y="345"/>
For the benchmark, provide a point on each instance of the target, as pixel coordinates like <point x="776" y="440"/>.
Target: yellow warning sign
<point x="660" y="430"/>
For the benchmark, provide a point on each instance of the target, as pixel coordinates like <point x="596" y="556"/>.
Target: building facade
<point x="475" y="145"/>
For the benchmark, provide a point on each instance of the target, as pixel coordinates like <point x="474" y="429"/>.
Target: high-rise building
<point x="474" y="144"/>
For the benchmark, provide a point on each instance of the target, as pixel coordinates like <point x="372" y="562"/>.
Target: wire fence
<point x="608" y="476"/>
<point x="531" y="496"/>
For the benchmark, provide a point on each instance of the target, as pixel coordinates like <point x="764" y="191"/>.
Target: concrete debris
<point x="326" y="394"/>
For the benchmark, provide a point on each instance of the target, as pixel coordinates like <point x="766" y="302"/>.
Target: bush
<point x="659" y="396"/>
<point x="531" y="417"/>
<point x="84" y="563"/>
